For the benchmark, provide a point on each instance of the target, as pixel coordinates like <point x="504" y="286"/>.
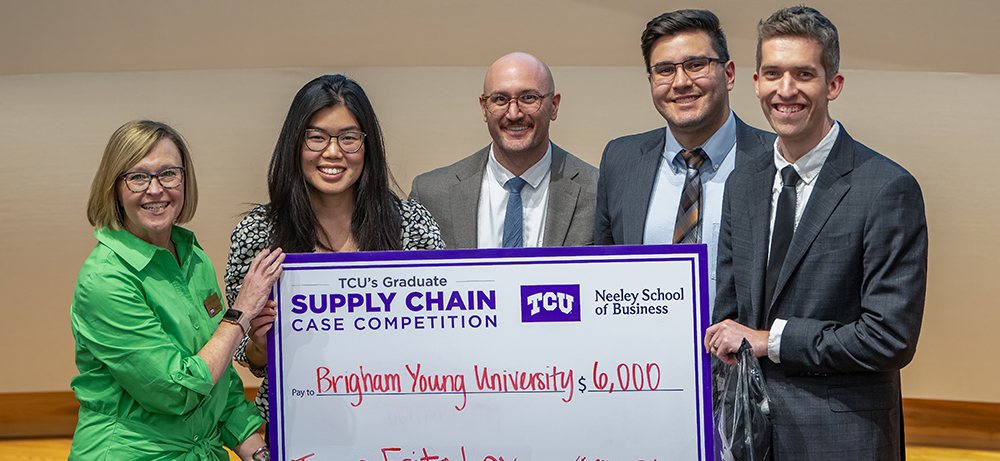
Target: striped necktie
<point x="688" y="226"/>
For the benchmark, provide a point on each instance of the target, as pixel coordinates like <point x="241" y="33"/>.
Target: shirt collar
<point x="137" y="252"/>
<point x="533" y="176"/>
<point x="717" y="147"/>
<point x="810" y="164"/>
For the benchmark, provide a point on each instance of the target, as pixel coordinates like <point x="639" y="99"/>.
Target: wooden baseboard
<point x="952" y="423"/>
<point x="30" y="415"/>
<point x="938" y="423"/>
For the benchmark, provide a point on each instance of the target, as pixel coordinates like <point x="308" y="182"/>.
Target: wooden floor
<point x="58" y="449"/>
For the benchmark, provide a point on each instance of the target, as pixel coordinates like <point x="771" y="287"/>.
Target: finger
<point x="257" y="259"/>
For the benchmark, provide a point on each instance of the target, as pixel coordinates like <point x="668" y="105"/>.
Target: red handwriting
<point x="357" y="383"/>
<point x="438" y="383"/>
<point x="584" y="458"/>
<point x="507" y="381"/>
<point x="424" y="456"/>
<point x="630" y="378"/>
<point x="310" y="455"/>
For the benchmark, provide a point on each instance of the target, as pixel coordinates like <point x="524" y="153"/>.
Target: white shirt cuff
<point x="774" y="340"/>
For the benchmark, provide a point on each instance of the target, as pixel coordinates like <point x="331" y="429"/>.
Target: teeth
<point x="517" y="128"/>
<point x="685" y="100"/>
<point x="154" y="207"/>
<point x="332" y="170"/>
<point x="788" y="109"/>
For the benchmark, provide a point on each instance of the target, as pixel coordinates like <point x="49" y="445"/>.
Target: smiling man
<point x="822" y="259"/>
<point x="522" y="190"/>
<point x="665" y="185"/>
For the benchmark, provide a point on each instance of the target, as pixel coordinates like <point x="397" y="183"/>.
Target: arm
<point x="246" y="449"/>
<point x="724" y="338"/>
<point x="602" y="220"/>
<point x="249" y="238"/>
<point x="420" y="230"/>
<point x="892" y="273"/>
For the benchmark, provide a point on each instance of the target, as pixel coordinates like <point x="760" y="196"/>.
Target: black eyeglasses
<point x="349" y="141"/>
<point x="169" y="178"/>
<point x="529" y="103"/>
<point x="664" y="72"/>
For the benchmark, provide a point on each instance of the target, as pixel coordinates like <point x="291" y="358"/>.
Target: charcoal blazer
<point x="852" y="289"/>
<point x="451" y="194"/>
<point x="628" y="169"/>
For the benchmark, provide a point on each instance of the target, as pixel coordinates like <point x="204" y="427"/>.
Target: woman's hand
<point x="256" y="350"/>
<point x="263" y="273"/>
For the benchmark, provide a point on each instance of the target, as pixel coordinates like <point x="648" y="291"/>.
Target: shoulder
<point x="253" y="229"/>
<point x="420" y="230"/>
<point x="461" y="169"/>
<point x="632" y="141"/>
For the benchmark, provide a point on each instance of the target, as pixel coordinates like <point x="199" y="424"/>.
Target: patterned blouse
<point x="420" y="232"/>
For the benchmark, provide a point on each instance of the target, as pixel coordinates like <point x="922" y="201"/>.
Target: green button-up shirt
<point x="139" y="319"/>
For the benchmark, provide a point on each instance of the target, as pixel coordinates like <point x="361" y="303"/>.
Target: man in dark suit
<point x="473" y="201"/>
<point x="822" y="260"/>
<point x="648" y="192"/>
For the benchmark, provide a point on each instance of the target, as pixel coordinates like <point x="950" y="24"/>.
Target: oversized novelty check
<point x="540" y="354"/>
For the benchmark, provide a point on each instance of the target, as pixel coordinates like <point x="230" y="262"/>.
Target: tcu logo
<point x="550" y="303"/>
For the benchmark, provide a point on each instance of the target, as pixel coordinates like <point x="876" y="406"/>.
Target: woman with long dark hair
<point x="330" y="191"/>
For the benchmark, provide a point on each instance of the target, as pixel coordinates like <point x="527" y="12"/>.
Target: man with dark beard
<point x="522" y="190"/>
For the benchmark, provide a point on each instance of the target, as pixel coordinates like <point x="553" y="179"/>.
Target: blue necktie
<point x="513" y="222"/>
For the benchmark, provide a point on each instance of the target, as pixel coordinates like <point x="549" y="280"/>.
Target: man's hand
<point x="724" y="339"/>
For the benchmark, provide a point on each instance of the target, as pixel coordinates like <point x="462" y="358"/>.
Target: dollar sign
<point x="583" y="384"/>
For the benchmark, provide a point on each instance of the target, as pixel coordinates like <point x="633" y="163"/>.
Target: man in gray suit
<point x="822" y="260"/>
<point x="475" y="201"/>
<point x="648" y="192"/>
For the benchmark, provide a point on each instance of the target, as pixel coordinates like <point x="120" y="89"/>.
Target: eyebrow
<point x="686" y="58"/>
<point x="347" y="128"/>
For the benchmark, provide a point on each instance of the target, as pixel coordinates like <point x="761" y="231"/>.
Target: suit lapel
<point x="640" y="191"/>
<point x="464" y="197"/>
<point x="563" y="196"/>
<point x="759" y="200"/>
<point x="830" y="188"/>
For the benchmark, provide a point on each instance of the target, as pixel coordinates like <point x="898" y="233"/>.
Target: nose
<point x="333" y="150"/>
<point x="681" y="78"/>
<point x="513" y="110"/>
<point x="154" y="186"/>
<point x="786" y="86"/>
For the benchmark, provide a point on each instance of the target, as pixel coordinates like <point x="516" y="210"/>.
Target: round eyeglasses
<point x="349" y="141"/>
<point x="664" y="72"/>
<point x="138" y="181"/>
<point x="528" y="103"/>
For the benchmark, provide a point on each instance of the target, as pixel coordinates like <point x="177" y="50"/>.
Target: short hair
<point x="680" y="21"/>
<point x="806" y="22"/>
<point x="375" y="222"/>
<point x="127" y="146"/>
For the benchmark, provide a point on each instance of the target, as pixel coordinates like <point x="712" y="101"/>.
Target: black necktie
<point x="688" y="224"/>
<point x="784" y="227"/>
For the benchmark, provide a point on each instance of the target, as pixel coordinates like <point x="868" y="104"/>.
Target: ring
<point x="715" y="347"/>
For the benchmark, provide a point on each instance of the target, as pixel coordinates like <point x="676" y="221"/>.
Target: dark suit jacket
<point x="852" y="290"/>
<point x="451" y="194"/>
<point x="628" y="170"/>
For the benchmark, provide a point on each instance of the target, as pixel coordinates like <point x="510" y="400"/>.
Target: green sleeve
<point x="114" y="323"/>
<point x="240" y="418"/>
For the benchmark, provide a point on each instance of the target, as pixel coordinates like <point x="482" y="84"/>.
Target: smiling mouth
<point x="331" y="171"/>
<point x="685" y="100"/>
<point x="788" y="109"/>
<point x="155" y="207"/>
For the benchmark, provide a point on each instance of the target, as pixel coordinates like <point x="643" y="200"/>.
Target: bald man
<point x="521" y="190"/>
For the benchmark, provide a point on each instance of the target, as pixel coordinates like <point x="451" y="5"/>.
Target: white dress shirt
<point x="808" y="168"/>
<point x="669" y="184"/>
<point x="493" y="201"/>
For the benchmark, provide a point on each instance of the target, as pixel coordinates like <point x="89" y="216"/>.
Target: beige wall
<point x="53" y="127"/>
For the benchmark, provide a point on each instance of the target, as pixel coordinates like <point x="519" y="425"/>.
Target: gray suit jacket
<point x="451" y="194"/>
<point x="852" y="290"/>
<point x="628" y="169"/>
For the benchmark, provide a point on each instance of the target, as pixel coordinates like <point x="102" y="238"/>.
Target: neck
<point x="691" y="138"/>
<point x="793" y="149"/>
<point x="333" y="220"/>
<point x="518" y="163"/>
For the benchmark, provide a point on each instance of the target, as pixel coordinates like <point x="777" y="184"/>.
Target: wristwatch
<point x="236" y="317"/>
<point x="262" y="454"/>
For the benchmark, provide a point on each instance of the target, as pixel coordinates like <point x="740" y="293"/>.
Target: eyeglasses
<point x="169" y="178"/>
<point x="349" y="141"/>
<point x="665" y="72"/>
<point x="528" y="103"/>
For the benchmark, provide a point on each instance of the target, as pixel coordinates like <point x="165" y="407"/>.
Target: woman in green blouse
<point x="153" y="340"/>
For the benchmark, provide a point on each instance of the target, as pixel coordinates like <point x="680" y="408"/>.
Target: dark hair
<point x="375" y="222"/>
<point x="679" y="21"/>
<point x="802" y="21"/>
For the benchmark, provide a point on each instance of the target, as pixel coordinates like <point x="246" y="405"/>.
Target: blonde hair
<point x="127" y="146"/>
